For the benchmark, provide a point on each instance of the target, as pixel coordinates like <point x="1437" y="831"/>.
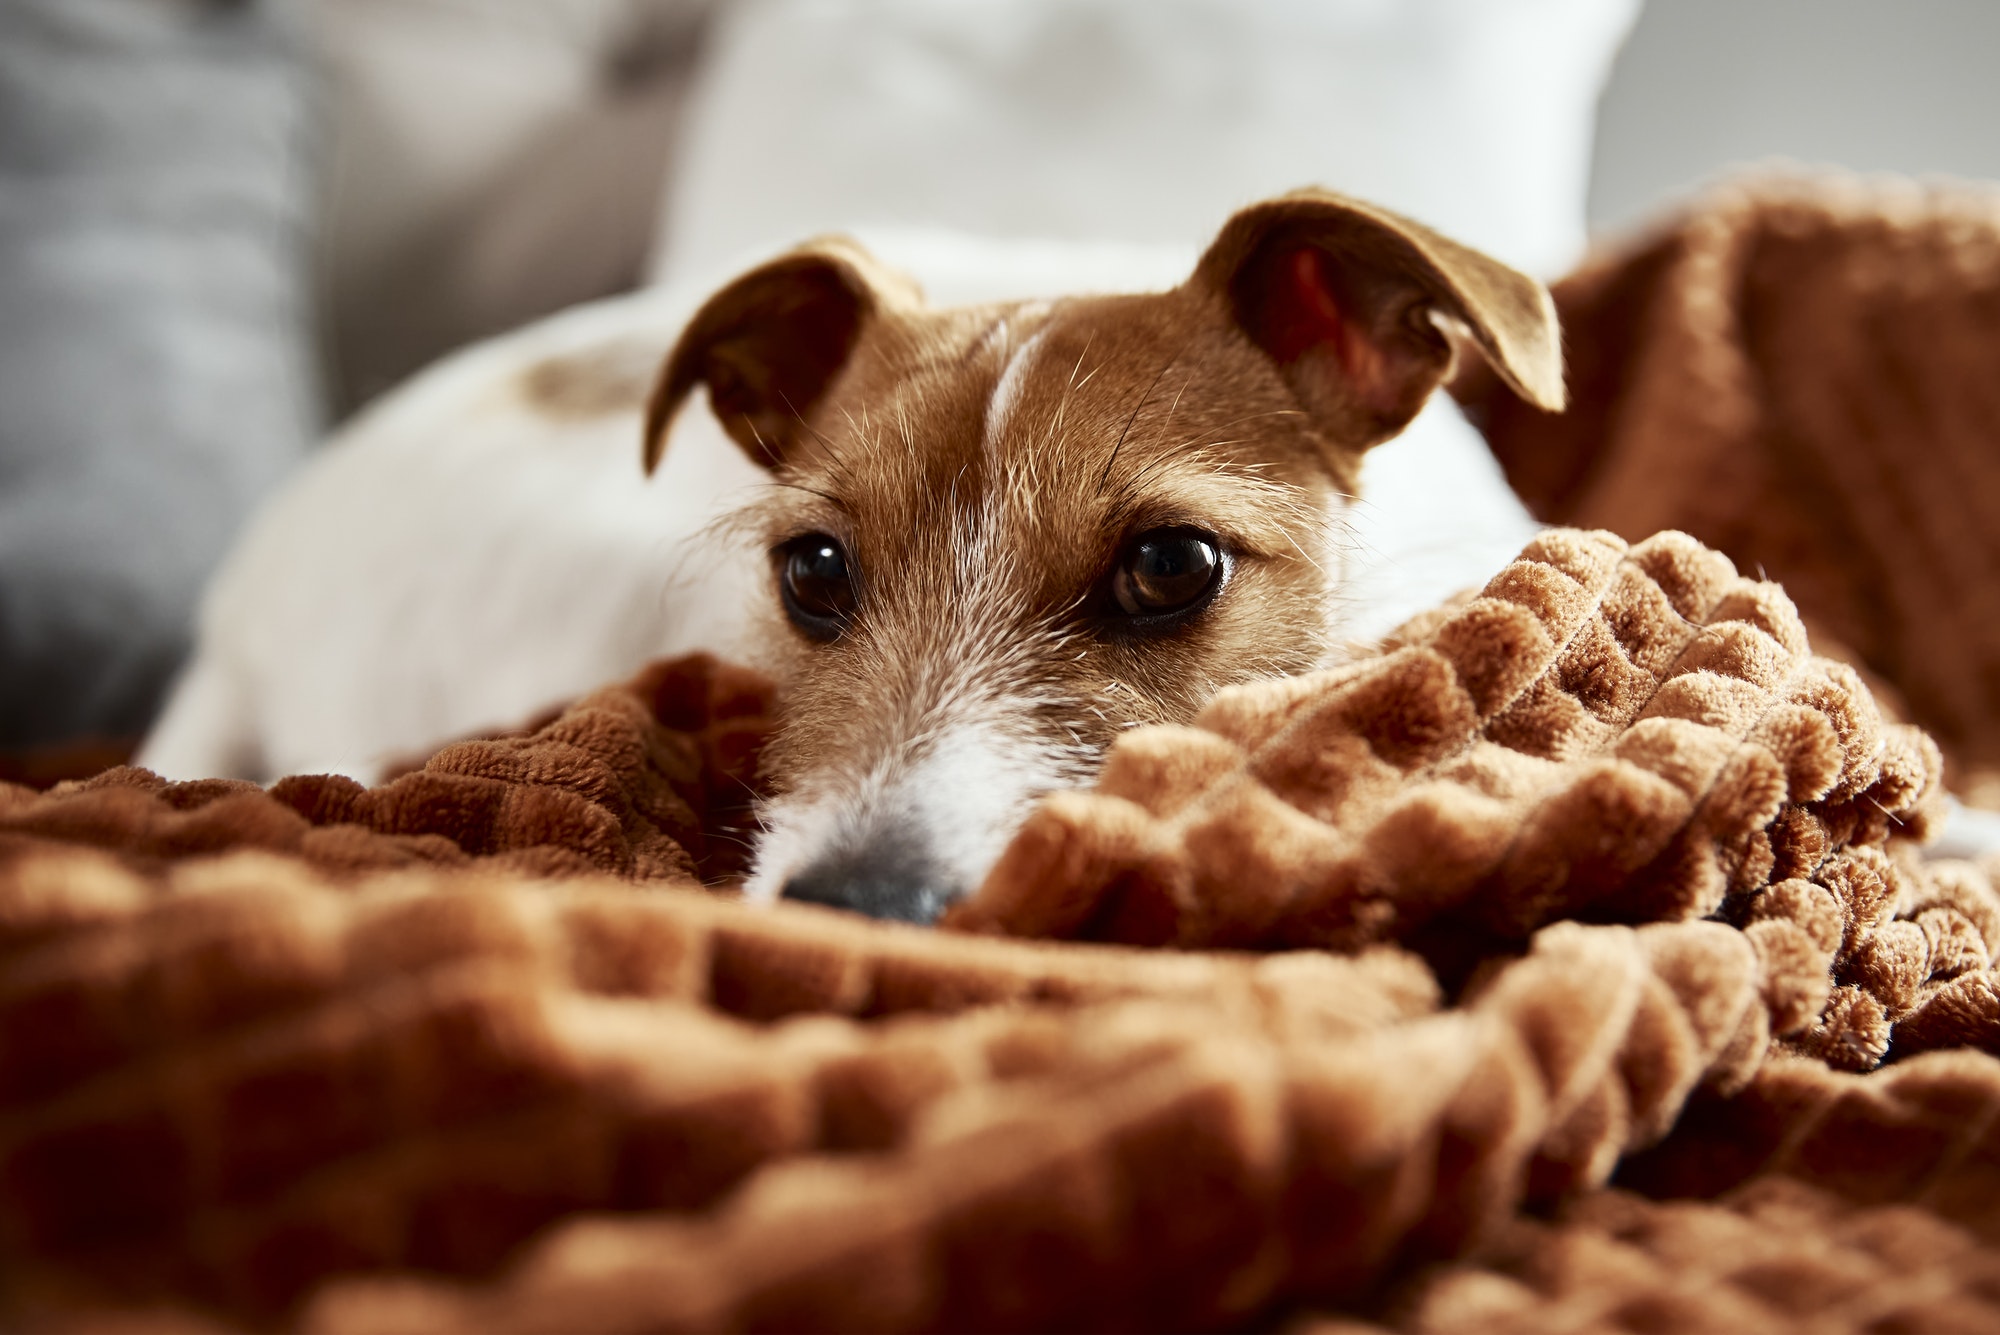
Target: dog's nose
<point x="888" y="877"/>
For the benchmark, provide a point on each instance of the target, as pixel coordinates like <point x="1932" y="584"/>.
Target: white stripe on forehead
<point x="1001" y="406"/>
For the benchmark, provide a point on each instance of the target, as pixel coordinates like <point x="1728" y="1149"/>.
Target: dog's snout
<point x="890" y="876"/>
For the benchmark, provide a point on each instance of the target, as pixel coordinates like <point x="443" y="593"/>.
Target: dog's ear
<point x="1355" y="303"/>
<point x="770" y="345"/>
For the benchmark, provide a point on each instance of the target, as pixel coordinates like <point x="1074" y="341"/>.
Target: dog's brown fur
<point x="985" y="467"/>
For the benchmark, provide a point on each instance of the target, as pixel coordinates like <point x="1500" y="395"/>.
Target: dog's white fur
<point x="456" y="556"/>
<point x="463" y="554"/>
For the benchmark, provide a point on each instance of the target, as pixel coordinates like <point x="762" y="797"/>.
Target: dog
<point x="994" y="536"/>
<point x="1002" y="535"/>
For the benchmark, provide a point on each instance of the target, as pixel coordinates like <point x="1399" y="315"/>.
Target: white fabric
<point x="1435" y="516"/>
<point x="1140" y="120"/>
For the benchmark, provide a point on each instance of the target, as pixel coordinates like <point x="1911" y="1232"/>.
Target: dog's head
<point x="1001" y="535"/>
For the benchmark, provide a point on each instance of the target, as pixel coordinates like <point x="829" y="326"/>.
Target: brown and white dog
<point x="982" y="539"/>
<point x="1002" y="534"/>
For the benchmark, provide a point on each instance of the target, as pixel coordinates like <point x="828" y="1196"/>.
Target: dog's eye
<point x="1166" y="571"/>
<point x="816" y="586"/>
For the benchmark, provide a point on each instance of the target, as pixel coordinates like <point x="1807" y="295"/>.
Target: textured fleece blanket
<point x="1800" y="373"/>
<point x="1566" y="965"/>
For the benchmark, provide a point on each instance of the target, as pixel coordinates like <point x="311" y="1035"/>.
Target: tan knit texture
<point x="1780" y="1257"/>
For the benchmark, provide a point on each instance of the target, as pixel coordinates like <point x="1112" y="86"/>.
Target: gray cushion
<point x="155" y="377"/>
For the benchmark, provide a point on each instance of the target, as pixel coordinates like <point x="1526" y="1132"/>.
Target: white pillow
<point x="1139" y="120"/>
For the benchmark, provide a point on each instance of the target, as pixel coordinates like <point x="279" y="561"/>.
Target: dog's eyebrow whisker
<point x="826" y="496"/>
<point x="800" y="418"/>
<point x="1079" y="359"/>
<point x="1155" y="384"/>
<point x="1062" y="404"/>
<point x="833" y="455"/>
<point x="859" y="430"/>
<point x="1304" y="554"/>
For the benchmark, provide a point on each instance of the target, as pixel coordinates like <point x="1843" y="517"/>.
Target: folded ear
<point x="770" y="345"/>
<point x="1354" y="304"/>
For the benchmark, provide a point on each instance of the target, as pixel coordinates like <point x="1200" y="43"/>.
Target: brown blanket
<point x="1802" y="374"/>
<point x="1568" y="965"/>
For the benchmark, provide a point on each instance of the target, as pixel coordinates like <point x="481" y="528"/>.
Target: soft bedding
<point x="1571" y="962"/>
